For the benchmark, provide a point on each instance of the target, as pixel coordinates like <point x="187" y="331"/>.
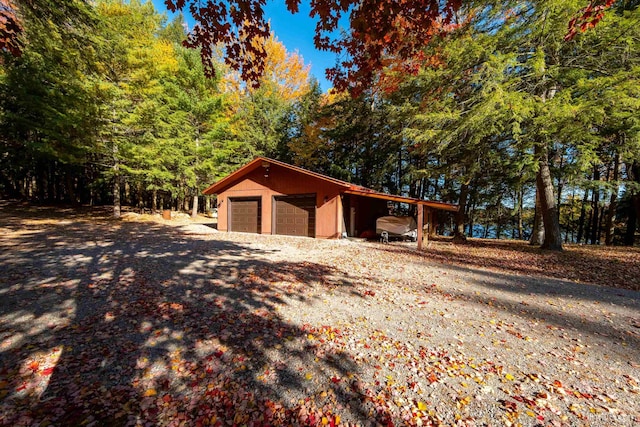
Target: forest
<point x="106" y="106"/>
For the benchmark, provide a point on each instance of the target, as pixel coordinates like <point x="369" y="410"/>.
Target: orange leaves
<point x="10" y="28"/>
<point x="150" y="392"/>
<point x="285" y="75"/>
<point x="34" y="366"/>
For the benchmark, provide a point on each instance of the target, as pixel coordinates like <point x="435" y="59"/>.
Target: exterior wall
<point x="282" y="181"/>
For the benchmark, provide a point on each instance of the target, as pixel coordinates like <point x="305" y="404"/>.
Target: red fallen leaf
<point x="166" y="398"/>
<point x="47" y="371"/>
<point x="508" y="405"/>
<point x="335" y="380"/>
<point x="370" y="293"/>
<point x="34" y="366"/>
<point x="432" y="378"/>
<point x="218" y="354"/>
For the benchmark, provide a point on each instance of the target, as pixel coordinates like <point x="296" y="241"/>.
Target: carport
<point x="424" y="208"/>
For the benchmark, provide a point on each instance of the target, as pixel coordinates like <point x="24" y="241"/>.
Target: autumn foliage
<point x="376" y="28"/>
<point x="10" y="28"/>
<point x="588" y="17"/>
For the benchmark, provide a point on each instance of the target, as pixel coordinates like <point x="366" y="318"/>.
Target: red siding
<point x="282" y="181"/>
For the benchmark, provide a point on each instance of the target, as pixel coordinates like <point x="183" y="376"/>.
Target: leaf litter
<point x="150" y="325"/>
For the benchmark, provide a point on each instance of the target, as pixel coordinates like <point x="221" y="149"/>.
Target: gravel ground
<point x="107" y="322"/>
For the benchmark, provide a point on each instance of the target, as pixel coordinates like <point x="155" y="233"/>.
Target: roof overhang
<point x="402" y="199"/>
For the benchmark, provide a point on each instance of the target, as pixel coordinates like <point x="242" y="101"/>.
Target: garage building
<point x="271" y="197"/>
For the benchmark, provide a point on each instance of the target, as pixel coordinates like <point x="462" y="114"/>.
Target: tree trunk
<point x="537" y="234"/>
<point x="583" y="213"/>
<point x="520" y="208"/>
<point x="633" y="170"/>
<point x="595" y="200"/>
<point x="154" y="200"/>
<point x="179" y="203"/>
<point x="127" y="193"/>
<point x="552" y="237"/>
<point x="42" y="193"/>
<point x="560" y="187"/>
<point x="458" y="232"/>
<point x="51" y="182"/>
<point x="116" y="182"/>
<point x="70" y="188"/>
<point x="471" y="217"/>
<point x="613" y="203"/>
<point x="140" y="197"/>
<point x="194" y="211"/>
<point x="632" y="221"/>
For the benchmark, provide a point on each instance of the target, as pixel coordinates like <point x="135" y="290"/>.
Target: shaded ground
<point x="608" y="266"/>
<point x="140" y="323"/>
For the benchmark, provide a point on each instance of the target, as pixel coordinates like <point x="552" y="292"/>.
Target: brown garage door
<point x="296" y="215"/>
<point x="245" y="215"/>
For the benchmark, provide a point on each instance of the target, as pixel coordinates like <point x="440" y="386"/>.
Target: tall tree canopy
<point x="102" y="102"/>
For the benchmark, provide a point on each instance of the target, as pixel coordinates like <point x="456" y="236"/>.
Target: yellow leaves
<point x="286" y="77"/>
<point x="422" y="406"/>
<point x="509" y="377"/>
<point x="308" y="376"/>
<point x="534" y="377"/>
<point x="574" y="408"/>
<point x="164" y="55"/>
<point x="463" y="401"/>
<point x="150" y="392"/>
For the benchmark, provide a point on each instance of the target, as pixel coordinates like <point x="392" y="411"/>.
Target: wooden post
<point x="420" y="208"/>
<point x="427" y="221"/>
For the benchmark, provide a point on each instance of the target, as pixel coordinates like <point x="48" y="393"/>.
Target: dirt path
<point x="142" y="323"/>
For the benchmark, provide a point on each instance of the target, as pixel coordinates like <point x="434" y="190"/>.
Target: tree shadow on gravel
<point x="511" y="293"/>
<point x="119" y="323"/>
<point x="620" y="266"/>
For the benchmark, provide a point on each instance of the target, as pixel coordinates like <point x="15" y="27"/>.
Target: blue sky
<point x="295" y="31"/>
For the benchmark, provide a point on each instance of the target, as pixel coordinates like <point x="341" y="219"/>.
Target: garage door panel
<point x="295" y="215"/>
<point x="245" y="215"/>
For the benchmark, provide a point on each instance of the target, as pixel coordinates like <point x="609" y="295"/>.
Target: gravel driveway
<point x="142" y="323"/>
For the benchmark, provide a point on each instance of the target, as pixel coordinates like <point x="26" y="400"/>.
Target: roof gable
<point x="258" y="162"/>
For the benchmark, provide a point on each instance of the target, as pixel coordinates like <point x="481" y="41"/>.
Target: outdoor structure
<point x="271" y="197"/>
